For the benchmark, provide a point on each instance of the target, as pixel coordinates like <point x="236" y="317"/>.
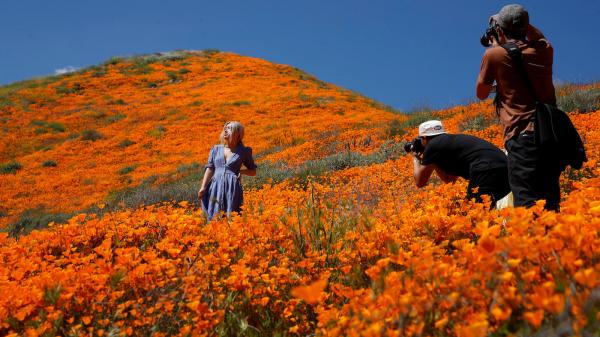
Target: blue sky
<point x="407" y="54"/>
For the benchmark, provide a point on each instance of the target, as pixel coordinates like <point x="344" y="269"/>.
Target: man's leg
<point x="549" y="181"/>
<point x="532" y="174"/>
<point x="523" y="162"/>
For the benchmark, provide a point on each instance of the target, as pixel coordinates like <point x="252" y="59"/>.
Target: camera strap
<point x="516" y="55"/>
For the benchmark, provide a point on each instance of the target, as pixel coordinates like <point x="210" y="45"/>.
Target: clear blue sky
<point x="406" y="54"/>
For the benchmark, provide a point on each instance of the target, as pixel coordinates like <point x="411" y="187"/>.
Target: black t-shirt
<point x="463" y="155"/>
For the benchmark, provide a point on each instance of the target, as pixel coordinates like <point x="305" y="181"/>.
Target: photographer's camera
<point x="491" y="31"/>
<point x="415" y="145"/>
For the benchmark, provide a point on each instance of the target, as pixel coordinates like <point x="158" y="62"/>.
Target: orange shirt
<point x="516" y="101"/>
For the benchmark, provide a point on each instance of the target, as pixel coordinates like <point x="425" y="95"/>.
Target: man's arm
<point x="483" y="89"/>
<point x="421" y="173"/>
<point x="447" y="178"/>
<point x="486" y="76"/>
<point x="534" y="34"/>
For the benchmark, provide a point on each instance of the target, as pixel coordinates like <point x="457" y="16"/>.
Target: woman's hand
<point x="201" y="193"/>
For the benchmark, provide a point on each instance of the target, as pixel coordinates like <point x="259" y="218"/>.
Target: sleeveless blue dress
<point x="225" y="190"/>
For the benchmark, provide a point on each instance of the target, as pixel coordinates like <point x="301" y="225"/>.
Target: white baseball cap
<point x="431" y="128"/>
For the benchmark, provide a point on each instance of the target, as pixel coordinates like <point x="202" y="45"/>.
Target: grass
<point x="272" y="173"/>
<point x="476" y="123"/>
<point x="183" y="185"/>
<point x="579" y="100"/>
<point x="35" y="218"/>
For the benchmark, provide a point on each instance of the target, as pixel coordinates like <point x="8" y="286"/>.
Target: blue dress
<point x="225" y="190"/>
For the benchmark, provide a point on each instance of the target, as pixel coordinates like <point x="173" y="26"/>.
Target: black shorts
<point x="492" y="182"/>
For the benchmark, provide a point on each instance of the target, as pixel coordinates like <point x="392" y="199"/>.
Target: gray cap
<point x="513" y="18"/>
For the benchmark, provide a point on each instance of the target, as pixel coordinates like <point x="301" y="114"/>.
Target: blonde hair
<point x="237" y="131"/>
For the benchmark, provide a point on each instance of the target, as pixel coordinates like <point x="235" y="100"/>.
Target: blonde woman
<point x="221" y="189"/>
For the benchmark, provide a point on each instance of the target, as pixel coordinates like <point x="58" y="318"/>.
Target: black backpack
<point x="554" y="131"/>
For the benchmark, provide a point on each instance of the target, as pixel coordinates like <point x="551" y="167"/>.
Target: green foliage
<point x="98" y="71"/>
<point x="381" y="106"/>
<point x="49" y="163"/>
<point x="173" y="76"/>
<point x="35" y="218"/>
<point x="580" y="100"/>
<point x="314" y="169"/>
<point x="127" y="169"/>
<point x="476" y="123"/>
<point x="181" y="185"/>
<point x="240" y="103"/>
<point x="115" y="118"/>
<point x="114" y="60"/>
<point x="157" y="132"/>
<point x="125" y="143"/>
<point x="91" y="135"/>
<point x="45" y="127"/>
<point x="10" y="167"/>
<point x="398" y="128"/>
<point x="210" y="52"/>
<point x="65" y="89"/>
<point x="119" y="101"/>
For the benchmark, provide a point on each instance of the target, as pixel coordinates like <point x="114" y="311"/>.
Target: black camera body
<point x="491" y="31"/>
<point x="415" y="145"/>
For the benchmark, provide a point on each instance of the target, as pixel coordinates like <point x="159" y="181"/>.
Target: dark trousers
<point x="492" y="182"/>
<point x="533" y="173"/>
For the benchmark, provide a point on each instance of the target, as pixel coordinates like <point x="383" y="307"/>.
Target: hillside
<point x="109" y="127"/>
<point x="338" y="242"/>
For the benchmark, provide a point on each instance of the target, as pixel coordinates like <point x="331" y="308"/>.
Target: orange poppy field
<point x="102" y="234"/>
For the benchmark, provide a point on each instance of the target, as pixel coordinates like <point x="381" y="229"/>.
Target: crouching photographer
<point x="457" y="155"/>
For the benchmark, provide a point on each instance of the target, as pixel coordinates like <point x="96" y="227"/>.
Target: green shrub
<point x="127" y="169"/>
<point x="49" y="163"/>
<point x="91" y="135"/>
<point x="173" y="76"/>
<point x="10" y="167"/>
<point x="125" y="143"/>
<point x="114" y="60"/>
<point x="158" y="132"/>
<point x="56" y="127"/>
<point x="211" y="52"/>
<point x="240" y="103"/>
<point x="45" y="127"/>
<point x="115" y="118"/>
<point x="65" y="89"/>
<point x="119" y="101"/>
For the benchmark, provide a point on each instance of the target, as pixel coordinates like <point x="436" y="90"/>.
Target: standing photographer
<point x="533" y="173"/>
<point x="457" y="155"/>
